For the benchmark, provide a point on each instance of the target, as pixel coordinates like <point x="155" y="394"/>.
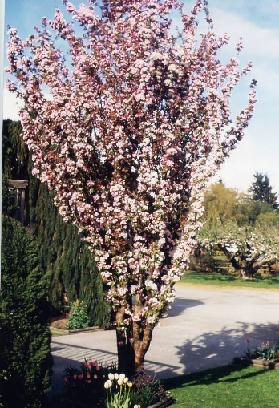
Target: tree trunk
<point x="239" y="265"/>
<point x="132" y="344"/>
<point x="126" y="353"/>
<point x="141" y="342"/>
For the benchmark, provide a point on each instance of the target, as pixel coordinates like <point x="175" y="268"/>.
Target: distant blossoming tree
<point x="248" y="249"/>
<point x="126" y="129"/>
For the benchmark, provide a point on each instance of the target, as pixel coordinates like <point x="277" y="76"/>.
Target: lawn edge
<point x="222" y="286"/>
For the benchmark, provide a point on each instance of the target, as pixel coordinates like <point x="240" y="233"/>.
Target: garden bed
<point x="272" y="364"/>
<point x="75" y="404"/>
<point x="63" y="332"/>
<point x="162" y="404"/>
<point x="59" y="327"/>
<point x="268" y="364"/>
<point x="86" y="329"/>
<point x="94" y="383"/>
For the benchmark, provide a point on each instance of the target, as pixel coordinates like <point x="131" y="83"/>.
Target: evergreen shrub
<point x="78" y="318"/>
<point x="63" y="256"/>
<point x="25" y="359"/>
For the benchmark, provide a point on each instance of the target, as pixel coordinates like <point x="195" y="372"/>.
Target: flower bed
<point x="265" y="356"/>
<point x="272" y="364"/>
<point x="75" y="404"/>
<point x="99" y="385"/>
<point x="257" y="362"/>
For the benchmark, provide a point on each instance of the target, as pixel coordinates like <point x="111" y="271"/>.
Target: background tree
<point x="248" y="210"/>
<point x="14" y="151"/>
<point x="268" y="219"/>
<point x="248" y="249"/>
<point x="224" y="205"/>
<point x="220" y="204"/>
<point x="262" y="191"/>
<point x="127" y="139"/>
<point x="25" y="358"/>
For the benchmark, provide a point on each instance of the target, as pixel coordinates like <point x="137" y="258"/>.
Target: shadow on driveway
<point x="181" y="304"/>
<point x="212" y="350"/>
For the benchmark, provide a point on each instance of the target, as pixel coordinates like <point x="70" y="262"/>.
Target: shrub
<point x="63" y="256"/>
<point x="146" y="391"/>
<point x="25" y="358"/>
<point x="267" y="351"/>
<point x="78" y="318"/>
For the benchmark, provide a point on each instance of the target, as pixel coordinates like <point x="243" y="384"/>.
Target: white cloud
<point x="11" y="105"/>
<point x="259" y="149"/>
<point x="258" y="41"/>
<point x="256" y="153"/>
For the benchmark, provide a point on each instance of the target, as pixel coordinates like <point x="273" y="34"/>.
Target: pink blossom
<point x="127" y="142"/>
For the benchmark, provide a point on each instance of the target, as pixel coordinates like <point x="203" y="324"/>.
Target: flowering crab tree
<point x="247" y="249"/>
<point x="126" y="122"/>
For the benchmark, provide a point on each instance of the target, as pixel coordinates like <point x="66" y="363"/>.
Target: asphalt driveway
<point x="206" y="328"/>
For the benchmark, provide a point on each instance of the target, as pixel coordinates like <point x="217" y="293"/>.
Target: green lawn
<point x="227" y="387"/>
<point x="229" y="280"/>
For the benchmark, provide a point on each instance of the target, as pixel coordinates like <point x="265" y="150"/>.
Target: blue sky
<point x="257" y="22"/>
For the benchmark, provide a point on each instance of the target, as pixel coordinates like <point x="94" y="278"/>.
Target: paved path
<point x="206" y="328"/>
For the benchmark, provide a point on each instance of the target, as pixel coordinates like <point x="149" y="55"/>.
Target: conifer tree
<point x="63" y="256"/>
<point x="262" y="190"/>
<point x="25" y="358"/>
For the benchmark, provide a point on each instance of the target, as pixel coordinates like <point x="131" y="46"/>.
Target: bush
<point x="146" y="391"/>
<point x="25" y="358"/>
<point x="78" y="318"/>
<point x="63" y="255"/>
<point x="266" y="351"/>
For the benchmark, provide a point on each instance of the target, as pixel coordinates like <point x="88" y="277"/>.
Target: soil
<point x="59" y="322"/>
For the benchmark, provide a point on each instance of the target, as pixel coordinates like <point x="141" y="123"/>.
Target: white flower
<point x="111" y="376"/>
<point x="156" y="55"/>
<point x="116" y="376"/>
<point x="151" y="319"/>
<point x="149" y="284"/>
<point x="172" y="67"/>
<point x="125" y="380"/>
<point x="121" y="376"/>
<point x="120" y="381"/>
<point x="107" y="384"/>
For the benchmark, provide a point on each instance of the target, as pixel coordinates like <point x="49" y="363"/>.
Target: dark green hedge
<point x="63" y="256"/>
<point x="25" y="358"/>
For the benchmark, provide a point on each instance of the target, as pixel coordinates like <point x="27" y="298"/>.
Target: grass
<point x="227" y="387"/>
<point x="220" y="279"/>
